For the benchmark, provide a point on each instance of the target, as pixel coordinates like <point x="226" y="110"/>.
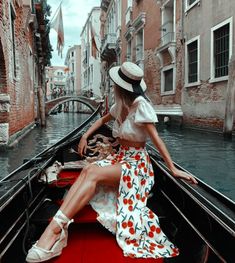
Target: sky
<point x="75" y="14"/>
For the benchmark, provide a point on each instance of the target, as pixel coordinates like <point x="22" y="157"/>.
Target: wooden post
<point x="230" y="100"/>
<point x="41" y="103"/>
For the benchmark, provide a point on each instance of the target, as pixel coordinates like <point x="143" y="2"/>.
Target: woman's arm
<point x="82" y="146"/>
<point x="158" y="142"/>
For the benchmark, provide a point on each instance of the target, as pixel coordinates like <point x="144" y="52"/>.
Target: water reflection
<point x="207" y="155"/>
<point x="38" y="139"/>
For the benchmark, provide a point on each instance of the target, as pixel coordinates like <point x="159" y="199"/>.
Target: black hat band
<point x="135" y="83"/>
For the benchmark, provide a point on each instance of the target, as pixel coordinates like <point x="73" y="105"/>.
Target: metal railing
<point x="167" y="38"/>
<point x="110" y="39"/>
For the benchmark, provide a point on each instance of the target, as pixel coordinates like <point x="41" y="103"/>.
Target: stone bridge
<point x="89" y="102"/>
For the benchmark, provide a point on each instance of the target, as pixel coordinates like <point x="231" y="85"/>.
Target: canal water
<point x="206" y="155"/>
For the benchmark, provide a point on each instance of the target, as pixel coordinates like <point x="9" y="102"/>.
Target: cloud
<point x="75" y="14"/>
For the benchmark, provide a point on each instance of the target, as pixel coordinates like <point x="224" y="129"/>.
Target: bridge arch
<point x="53" y="104"/>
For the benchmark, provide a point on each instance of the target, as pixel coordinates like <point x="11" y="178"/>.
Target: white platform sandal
<point x="38" y="254"/>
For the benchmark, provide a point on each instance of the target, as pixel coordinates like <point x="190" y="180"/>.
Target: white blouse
<point x="131" y="129"/>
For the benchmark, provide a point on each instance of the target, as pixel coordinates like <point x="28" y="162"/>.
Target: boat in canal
<point x="197" y="218"/>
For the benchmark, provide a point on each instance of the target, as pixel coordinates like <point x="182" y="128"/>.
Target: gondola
<point x="197" y="218"/>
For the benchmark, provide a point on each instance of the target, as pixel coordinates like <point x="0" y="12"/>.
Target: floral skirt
<point x="124" y="212"/>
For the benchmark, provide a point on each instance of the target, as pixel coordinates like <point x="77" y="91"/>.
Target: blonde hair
<point x="124" y="99"/>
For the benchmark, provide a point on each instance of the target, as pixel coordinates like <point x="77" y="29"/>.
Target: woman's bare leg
<point x="79" y="195"/>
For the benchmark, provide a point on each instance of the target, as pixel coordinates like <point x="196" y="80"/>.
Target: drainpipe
<point x="182" y="19"/>
<point x="230" y="100"/>
<point x="182" y="37"/>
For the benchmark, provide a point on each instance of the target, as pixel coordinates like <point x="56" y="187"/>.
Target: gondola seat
<point x="89" y="242"/>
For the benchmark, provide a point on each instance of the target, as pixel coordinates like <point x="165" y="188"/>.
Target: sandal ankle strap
<point x="62" y="219"/>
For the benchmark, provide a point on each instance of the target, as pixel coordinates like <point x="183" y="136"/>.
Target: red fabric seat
<point x="92" y="243"/>
<point x="66" y="178"/>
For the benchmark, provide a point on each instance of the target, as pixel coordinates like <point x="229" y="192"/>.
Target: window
<point x="192" y="61"/>
<point x="91" y="77"/>
<point x="168" y="80"/>
<point x="119" y="13"/>
<point x="221" y="50"/>
<point x="139" y="45"/>
<point x="190" y="3"/>
<point x="128" y="53"/>
<point x="128" y="17"/>
<point x="168" y="76"/>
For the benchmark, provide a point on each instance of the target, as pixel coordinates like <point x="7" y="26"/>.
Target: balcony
<point x="167" y="39"/>
<point x="167" y="43"/>
<point x="108" y="46"/>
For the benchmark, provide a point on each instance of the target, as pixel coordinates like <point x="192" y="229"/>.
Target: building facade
<point x="130" y="32"/>
<point x="90" y="55"/>
<point x="22" y="41"/>
<point x="56" y="80"/>
<point x="73" y="63"/>
<point x="170" y="56"/>
<point x="184" y="49"/>
<point x="209" y="40"/>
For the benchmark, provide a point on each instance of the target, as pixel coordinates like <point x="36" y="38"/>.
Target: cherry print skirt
<point x="124" y="212"/>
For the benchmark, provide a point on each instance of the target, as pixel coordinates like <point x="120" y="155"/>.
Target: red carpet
<point x="92" y="243"/>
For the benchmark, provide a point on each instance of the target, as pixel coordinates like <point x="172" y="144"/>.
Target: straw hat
<point x="129" y="76"/>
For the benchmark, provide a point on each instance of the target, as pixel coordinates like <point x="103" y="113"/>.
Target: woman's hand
<point x="82" y="146"/>
<point x="183" y="175"/>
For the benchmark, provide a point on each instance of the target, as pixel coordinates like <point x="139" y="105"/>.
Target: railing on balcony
<point x="109" y="41"/>
<point x="167" y="38"/>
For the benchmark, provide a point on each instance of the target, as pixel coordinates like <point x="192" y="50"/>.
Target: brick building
<point x="209" y="44"/>
<point x="23" y="41"/>
<point x="184" y="49"/>
<point x="131" y="31"/>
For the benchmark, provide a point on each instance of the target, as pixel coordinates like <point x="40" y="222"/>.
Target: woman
<point x="122" y="181"/>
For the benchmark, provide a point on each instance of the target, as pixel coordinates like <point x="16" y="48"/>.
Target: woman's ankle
<point x="49" y="237"/>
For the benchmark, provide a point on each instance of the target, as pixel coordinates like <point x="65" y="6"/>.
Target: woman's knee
<point x="90" y="172"/>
